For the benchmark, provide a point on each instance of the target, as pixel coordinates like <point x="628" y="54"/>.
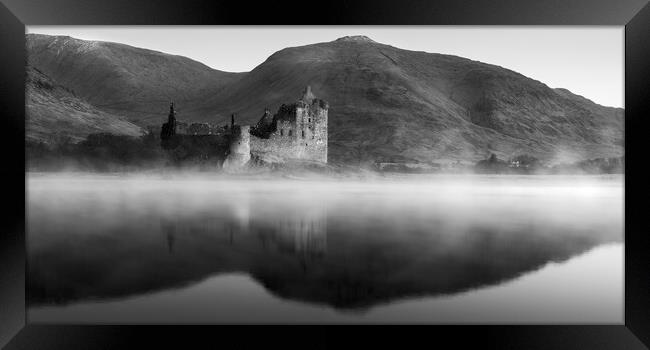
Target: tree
<point x="491" y="165"/>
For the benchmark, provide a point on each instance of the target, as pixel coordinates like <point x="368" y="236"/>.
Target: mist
<point x="352" y="246"/>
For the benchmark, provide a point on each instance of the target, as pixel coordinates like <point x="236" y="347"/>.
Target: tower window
<point x="289" y="132"/>
<point x="281" y="132"/>
<point x="303" y="134"/>
<point x="310" y="120"/>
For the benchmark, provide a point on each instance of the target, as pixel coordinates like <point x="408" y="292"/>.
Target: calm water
<point x="413" y="249"/>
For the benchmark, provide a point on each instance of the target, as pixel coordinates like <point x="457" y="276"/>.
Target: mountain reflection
<point x="346" y="251"/>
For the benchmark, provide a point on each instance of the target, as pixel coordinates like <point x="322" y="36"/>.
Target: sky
<point x="588" y="60"/>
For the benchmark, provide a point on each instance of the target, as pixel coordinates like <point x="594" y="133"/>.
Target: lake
<point x="174" y="248"/>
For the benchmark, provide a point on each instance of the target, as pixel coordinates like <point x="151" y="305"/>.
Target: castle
<point x="297" y="131"/>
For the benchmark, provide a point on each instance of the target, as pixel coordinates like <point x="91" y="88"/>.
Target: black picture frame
<point x="15" y="333"/>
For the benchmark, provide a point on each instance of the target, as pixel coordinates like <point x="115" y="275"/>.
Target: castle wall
<point x="300" y="135"/>
<point x="240" y="151"/>
<point x="274" y="150"/>
<point x="198" y="129"/>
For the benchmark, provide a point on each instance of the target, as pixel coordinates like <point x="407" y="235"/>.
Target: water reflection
<point x="105" y="239"/>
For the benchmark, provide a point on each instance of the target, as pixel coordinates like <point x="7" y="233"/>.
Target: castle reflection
<point x="341" y="250"/>
<point x="300" y="233"/>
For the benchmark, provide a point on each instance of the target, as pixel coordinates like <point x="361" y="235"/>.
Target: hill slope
<point x="388" y="104"/>
<point x="122" y="79"/>
<point x="54" y="111"/>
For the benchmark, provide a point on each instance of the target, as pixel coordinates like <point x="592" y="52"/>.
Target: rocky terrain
<point x="386" y="104"/>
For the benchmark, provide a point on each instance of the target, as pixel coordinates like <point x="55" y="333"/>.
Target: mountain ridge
<point x="386" y="104"/>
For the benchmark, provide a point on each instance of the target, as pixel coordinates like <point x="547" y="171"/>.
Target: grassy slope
<point x="53" y="110"/>
<point x="122" y="79"/>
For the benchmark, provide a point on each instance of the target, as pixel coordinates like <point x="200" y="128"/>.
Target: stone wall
<point x="240" y="151"/>
<point x="300" y="133"/>
<point x="278" y="150"/>
<point x="198" y="129"/>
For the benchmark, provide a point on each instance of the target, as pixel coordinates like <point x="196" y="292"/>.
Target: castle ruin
<point x="297" y="131"/>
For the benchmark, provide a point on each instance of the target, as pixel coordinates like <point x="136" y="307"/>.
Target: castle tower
<point x="172" y="114"/>
<point x="298" y="131"/>
<point x="307" y="95"/>
<point x="311" y="125"/>
<point x="169" y="129"/>
<point x="239" y="149"/>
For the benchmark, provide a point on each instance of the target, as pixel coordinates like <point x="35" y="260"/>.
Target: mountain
<point x="54" y="111"/>
<point x="386" y="104"/>
<point x="389" y="104"/>
<point x="122" y="79"/>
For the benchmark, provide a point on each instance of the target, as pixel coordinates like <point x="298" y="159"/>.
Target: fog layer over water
<point x="471" y="249"/>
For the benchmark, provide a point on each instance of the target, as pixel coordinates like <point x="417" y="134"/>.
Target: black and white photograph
<point x="324" y="174"/>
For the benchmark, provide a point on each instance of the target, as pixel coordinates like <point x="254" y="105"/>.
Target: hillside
<point x="122" y="79"/>
<point x="55" y="112"/>
<point x="386" y="104"/>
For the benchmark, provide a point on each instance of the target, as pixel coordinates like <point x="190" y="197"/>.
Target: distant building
<point x="296" y="131"/>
